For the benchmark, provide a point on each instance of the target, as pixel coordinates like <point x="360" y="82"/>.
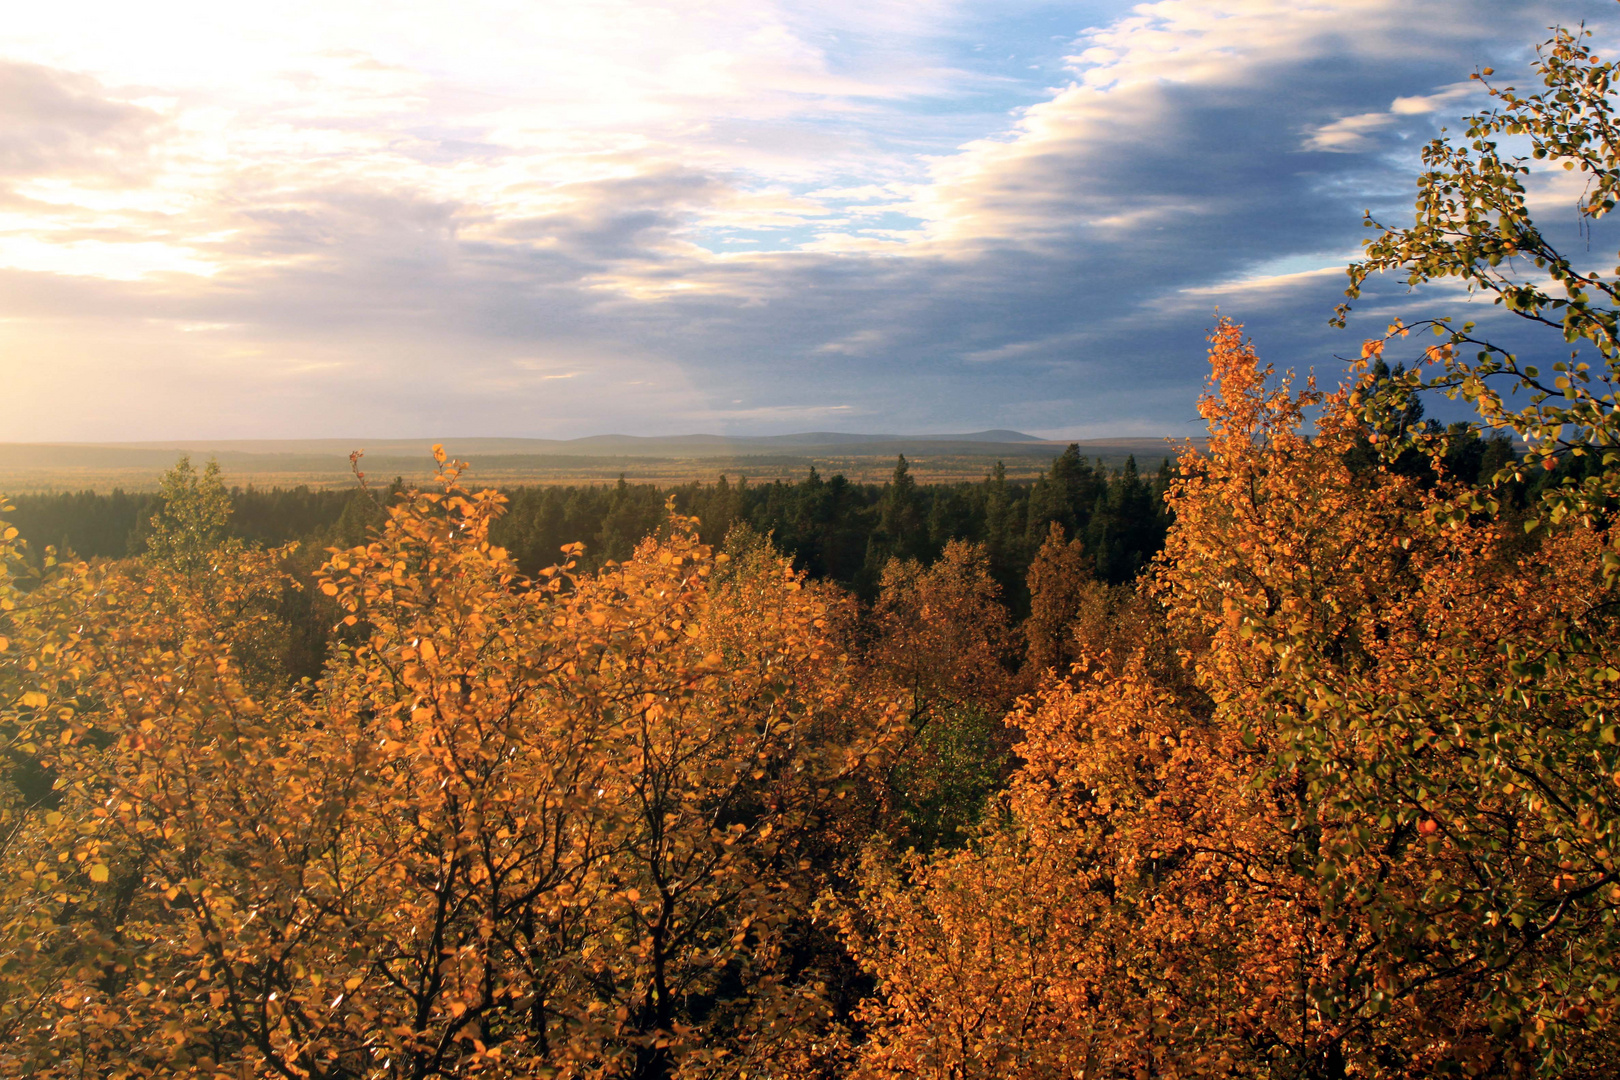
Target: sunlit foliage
<point x="1376" y="839"/>
<point x="521" y="828"/>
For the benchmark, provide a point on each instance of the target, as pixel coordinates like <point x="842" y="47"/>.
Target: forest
<point x="1299" y="758"/>
<point x="831" y="528"/>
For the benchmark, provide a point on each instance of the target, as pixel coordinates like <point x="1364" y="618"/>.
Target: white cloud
<point x="376" y="208"/>
<point x="117" y="261"/>
<point x="1355" y="134"/>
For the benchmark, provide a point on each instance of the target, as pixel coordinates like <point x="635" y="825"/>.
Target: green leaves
<point x="191" y="525"/>
<point x="1473" y="222"/>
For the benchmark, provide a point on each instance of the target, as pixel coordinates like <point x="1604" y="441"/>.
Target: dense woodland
<point x="830" y="527"/>
<point x="1299" y="760"/>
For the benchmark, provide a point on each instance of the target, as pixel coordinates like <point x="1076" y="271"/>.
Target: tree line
<point x="832" y="528"/>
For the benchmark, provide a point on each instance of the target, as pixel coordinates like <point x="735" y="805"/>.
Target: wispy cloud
<point x="1354" y="134"/>
<point x="363" y="216"/>
<point x="63" y="125"/>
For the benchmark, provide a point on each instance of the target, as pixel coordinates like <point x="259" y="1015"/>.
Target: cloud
<point x="62" y="124"/>
<point x="1355" y="134"/>
<point x="542" y="223"/>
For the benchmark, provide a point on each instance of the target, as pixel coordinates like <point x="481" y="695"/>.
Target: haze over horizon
<point x="740" y="217"/>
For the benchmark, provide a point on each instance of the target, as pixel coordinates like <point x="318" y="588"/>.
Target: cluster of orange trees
<point x="1332" y="791"/>
<point x="1357" y="816"/>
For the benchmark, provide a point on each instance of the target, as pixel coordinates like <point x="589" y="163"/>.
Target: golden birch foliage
<point x="1443" y="711"/>
<point x="1073" y="616"/>
<point x="24" y="921"/>
<point x="521" y="828"/>
<point x="940" y="645"/>
<point x="1379" y="842"/>
<point x="942" y="633"/>
<point x="1060" y="582"/>
<point x="1037" y="953"/>
<point x="1133" y="916"/>
<point x="76" y="927"/>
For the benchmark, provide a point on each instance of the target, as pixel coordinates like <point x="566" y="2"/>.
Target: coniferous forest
<point x="1297" y="757"/>
<point x="830" y="527"/>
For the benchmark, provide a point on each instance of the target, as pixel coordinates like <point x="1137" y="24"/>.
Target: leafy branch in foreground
<point x="1473" y="223"/>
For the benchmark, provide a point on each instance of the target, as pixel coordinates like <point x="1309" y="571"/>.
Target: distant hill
<point x="618" y="445"/>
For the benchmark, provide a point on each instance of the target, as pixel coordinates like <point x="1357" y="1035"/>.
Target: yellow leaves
<point x="1356" y="618"/>
<point x="33" y="699"/>
<point x="1439" y="354"/>
<point x="485" y="739"/>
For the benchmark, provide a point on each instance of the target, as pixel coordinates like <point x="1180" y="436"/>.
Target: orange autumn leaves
<point x="1377" y="838"/>
<point x="519" y="828"/>
<point x="1330" y="794"/>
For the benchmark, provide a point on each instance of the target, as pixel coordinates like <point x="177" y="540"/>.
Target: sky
<point x="551" y="218"/>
